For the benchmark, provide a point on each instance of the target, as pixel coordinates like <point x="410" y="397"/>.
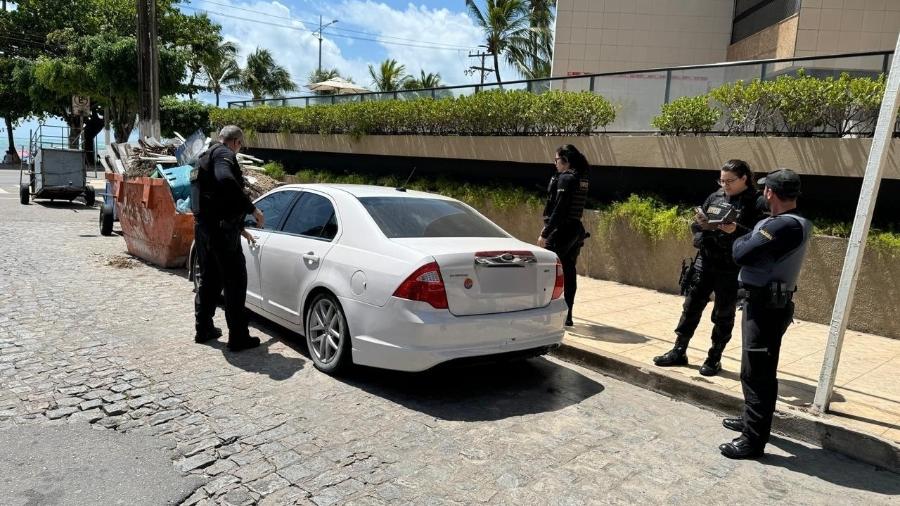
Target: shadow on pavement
<point x="75" y="205"/>
<point x="850" y="473"/>
<point x="480" y="393"/>
<point x="607" y="334"/>
<point x="260" y="360"/>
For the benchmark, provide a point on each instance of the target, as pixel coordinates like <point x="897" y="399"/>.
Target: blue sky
<point x="429" y="35"/>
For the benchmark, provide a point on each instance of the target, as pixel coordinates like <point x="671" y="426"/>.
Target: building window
<point x="751" y="16"/>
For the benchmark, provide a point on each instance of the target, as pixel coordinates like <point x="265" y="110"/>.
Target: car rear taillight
<point x="425" y="285"/>
<point x="560" y="282"/>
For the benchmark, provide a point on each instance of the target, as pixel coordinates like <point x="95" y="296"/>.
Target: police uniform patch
<point x="765" y="233"/>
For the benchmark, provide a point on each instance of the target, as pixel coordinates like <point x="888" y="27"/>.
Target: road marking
<point x="3" y="191"/>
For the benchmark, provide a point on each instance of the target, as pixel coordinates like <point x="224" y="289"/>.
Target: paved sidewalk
<point x="637" y="324"/>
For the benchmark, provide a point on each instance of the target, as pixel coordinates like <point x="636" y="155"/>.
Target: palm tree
<point x="533" y="60"/>
<point x="221" y="69"/>
<point x="429" y="80"/>
<point x="505" y="24"/>
<point x="389" y="76"/>
<point x="263" y="77"/>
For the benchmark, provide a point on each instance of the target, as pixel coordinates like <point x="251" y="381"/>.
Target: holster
<point x="774" y="296"/>
<point x="688" y="274"/>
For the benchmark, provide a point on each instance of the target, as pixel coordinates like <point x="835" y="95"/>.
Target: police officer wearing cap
<point x="220" y="204"/>
<point x="563" y="232"/>
<point x="714" y="268"/>
<point x="770" y="259"/>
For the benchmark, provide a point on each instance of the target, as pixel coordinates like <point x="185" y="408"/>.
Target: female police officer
<point x="716" y="271"/>
<point x="563" y="232"/>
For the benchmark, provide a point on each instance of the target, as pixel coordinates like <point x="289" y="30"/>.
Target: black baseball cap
<point x="784" y="182"/>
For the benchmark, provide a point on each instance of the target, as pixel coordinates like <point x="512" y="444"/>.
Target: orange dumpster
<point x="153" y="230"/>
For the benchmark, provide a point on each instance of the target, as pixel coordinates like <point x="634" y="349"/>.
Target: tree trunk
<point x="497" y="69"/>
<point x="217" y="98"/>
<point x="75" y="124"/>
<point x="124" y="116"/>
<point x="92" y="128"/>
<point x="14" y="155"/>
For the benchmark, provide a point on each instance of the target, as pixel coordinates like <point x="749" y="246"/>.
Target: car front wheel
<point x="327" y="335"/>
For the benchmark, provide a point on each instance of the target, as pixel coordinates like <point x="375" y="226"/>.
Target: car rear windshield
<point x="410" y="217"/>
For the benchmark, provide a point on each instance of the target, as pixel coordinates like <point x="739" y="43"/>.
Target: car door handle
<point x="311" y="257"/>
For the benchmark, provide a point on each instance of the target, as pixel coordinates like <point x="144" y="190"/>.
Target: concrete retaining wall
<point x="629" y="257"/>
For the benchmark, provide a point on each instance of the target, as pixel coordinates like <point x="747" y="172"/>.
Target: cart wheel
<point x="89" y="196"/>
<point x="106" y="219"/>
<point x="24" y="194"/>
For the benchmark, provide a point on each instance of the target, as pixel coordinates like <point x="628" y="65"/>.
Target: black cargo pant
<point x="709" y="280"/>
<point x="567" y="242"/>
<point x="221" y="266"/>
<point x="763" y="328"/>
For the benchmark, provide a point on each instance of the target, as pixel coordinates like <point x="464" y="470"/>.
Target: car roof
<point x="365" y="190"/>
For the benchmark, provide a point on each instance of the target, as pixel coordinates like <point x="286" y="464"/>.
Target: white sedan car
<point x="398" y="279"/>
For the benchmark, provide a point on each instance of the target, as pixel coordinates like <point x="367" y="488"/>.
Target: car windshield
<point x="411" y="217"/>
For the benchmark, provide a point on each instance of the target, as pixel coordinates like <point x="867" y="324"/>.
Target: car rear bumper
<point x="412" y="336"/>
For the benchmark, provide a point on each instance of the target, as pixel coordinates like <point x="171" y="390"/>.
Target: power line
<point x="258" y="21"/>
<point x="348" y="30"/>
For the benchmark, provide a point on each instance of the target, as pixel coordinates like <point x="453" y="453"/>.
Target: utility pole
<point x="318" y="35"/>
<point x="148" y="70"/>
<point x="471" y="70"/>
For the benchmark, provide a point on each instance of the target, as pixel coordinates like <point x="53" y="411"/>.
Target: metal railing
<point x="638" y="94"/>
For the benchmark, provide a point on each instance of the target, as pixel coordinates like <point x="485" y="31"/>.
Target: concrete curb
<point x="825" y="431"/>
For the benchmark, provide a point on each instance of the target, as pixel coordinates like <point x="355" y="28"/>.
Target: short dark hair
<point x="569" y="153"/>
<point x="740" y="168"/>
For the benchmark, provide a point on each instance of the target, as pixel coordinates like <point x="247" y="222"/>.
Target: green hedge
<point x="795" y="105"/>
<point x="650" y="216"/>
<point x="183" y="116"/>
<point x="485" y="113"/>
<point x="499" y="195"/>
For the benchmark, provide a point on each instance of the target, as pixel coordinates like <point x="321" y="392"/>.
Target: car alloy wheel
<point x="326" y="333"/>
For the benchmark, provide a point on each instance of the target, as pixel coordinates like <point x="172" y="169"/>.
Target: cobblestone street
<point x="89" y="335"/>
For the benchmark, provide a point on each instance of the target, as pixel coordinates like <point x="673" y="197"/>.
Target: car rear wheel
<point x="24" y="194"/>
<point x="327" y="335"/>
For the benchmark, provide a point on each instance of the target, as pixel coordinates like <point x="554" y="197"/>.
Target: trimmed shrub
<point x="486" y="113"/>
<point x="183" y="116"/>
<point x="686" y="114"/>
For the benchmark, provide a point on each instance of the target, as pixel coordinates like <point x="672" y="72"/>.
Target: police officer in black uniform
<point x="220" y="204"/>
<point x="770" y="259"/>
<point x="714" y="267"/>
<point x="563" y="232"/>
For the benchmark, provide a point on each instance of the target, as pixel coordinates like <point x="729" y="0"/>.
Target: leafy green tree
<point x="200" y="40"/>
<point x="505" y="24"/>
<point x="263" y="77"/>
<point x="15" y="103"/>
<point x="220" y="69"/>
<point x="389" y="76"/>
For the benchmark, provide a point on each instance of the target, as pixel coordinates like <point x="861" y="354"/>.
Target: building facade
<point x="596" y="36"/>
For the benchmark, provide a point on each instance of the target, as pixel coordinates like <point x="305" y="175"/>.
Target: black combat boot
<point x="569" y="322"/>
<point x="713" y="363"/>
<point x="204" y="335"/>
<point x="675" y="356"/>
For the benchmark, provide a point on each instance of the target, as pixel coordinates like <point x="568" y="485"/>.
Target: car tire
<point x="324" y="319"/>
<point x="106" y="219"/>
<point x="24" y="194"/>
<point x="89" y="196"/>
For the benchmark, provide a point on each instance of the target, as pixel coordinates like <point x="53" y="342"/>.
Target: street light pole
<point x="318" y="35"/>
